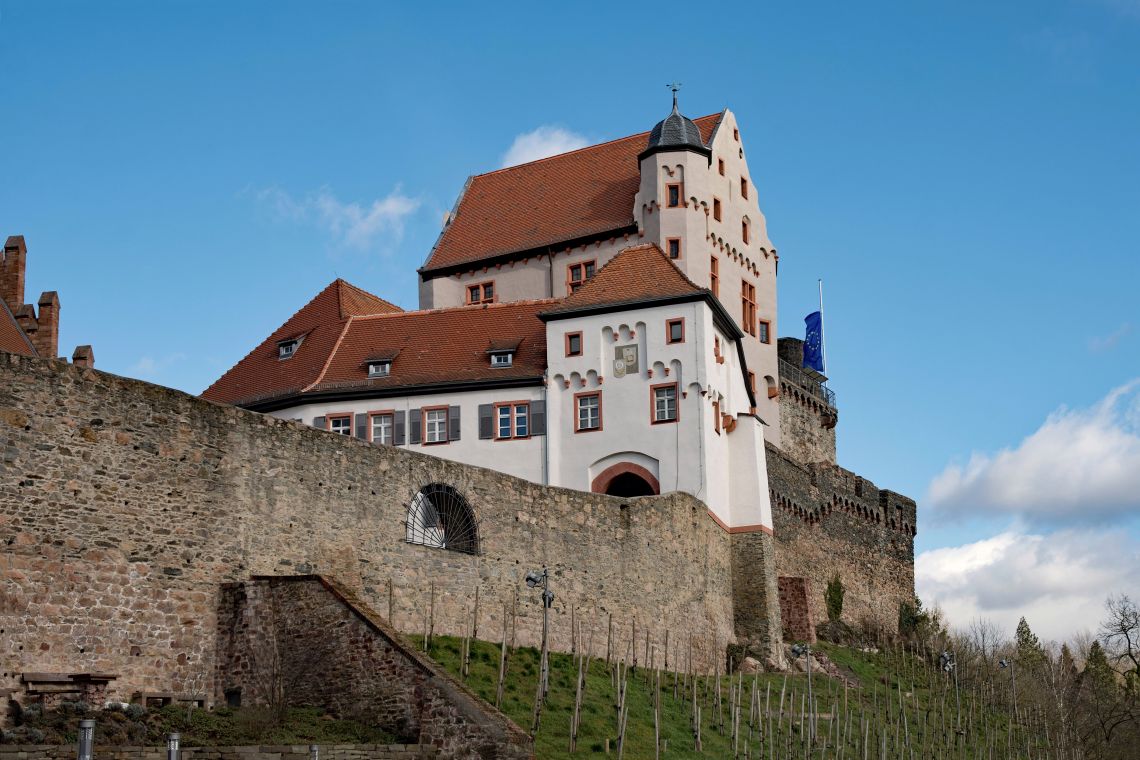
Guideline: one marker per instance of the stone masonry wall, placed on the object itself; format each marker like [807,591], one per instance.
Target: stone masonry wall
[124,506]
[805,434]
[796,610]
[305,641]
[829,520]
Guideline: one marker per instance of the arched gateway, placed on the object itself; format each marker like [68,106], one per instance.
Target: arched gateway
[626,479]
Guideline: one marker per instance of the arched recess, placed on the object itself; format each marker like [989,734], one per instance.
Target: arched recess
[773,387]
[441,518]
[626,479]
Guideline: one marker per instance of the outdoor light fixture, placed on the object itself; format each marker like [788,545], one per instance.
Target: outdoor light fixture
[86,738]
[172,741]
[800,650]
[534,579]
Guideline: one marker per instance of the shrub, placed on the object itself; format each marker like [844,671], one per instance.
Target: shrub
[834,598]
[136,711]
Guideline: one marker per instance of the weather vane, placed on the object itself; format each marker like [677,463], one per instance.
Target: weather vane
[674,86]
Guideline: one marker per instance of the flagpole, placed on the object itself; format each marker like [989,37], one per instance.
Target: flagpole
[822,330]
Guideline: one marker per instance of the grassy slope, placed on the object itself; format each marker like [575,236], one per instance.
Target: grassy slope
[929,708]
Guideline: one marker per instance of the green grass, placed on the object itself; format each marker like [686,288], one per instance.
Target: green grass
[877,709]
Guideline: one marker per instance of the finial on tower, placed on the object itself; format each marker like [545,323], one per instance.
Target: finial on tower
[674,86]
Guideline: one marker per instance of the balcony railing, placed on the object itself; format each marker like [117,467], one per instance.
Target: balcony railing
[797,376]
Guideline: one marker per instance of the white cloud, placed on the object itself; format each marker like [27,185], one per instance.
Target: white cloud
[1058,582]
[353,224]
[545,141]
[150,367]
[1081,465]
[1108,342]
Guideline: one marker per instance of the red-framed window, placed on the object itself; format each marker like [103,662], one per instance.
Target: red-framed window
[748,306]
[512,420]
[673,247]
[340,424]
[587,411]
[720,166]
[714,276]
[765,331]
[382,427]
[675,330]
[716,417]
[663,406]
[481,292]
[574,344]
[674,195]
[434,425]
[744,188]
[745,231]
[577,274]
[716,209]
[752,382]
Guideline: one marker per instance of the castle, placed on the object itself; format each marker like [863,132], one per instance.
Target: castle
[595,326]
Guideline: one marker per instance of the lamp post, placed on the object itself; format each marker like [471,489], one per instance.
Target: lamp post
[949,666]
[534,579]
[1003,664]
[172,742]
[86,739]
[798,650]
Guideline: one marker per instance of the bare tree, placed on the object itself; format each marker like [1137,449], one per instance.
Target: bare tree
[1120,633]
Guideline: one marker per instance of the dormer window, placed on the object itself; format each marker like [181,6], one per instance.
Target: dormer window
[380,368]
[502,358]
[286,348]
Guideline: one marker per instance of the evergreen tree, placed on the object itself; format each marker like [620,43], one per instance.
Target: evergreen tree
[1029,650]
[834,598]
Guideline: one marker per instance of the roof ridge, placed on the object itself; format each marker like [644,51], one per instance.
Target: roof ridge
[471,307]
[332,353]
[583,148]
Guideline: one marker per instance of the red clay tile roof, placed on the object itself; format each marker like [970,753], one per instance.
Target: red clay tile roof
[573,195]
[426,347]
[13,339]
[439,346]
[636,274]
[318,325]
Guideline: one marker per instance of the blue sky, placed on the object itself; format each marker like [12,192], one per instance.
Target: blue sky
[964,176]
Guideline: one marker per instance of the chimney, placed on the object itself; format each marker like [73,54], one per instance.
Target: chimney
[12,267]
[46,339]
[26,319]
[84,356]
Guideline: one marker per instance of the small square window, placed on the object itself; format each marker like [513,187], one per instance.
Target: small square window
[675,331]
[673,247]
[578,274]
[502,359]
[716,209]
[286,349]
[765,332]
[720,166]
[379,369]
[672,196]
[483,292]
[574,344]
[341,425]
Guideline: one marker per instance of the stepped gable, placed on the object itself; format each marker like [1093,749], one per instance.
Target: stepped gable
[12,338]
[439,346]
[318,325]
[546,202]
[637,274]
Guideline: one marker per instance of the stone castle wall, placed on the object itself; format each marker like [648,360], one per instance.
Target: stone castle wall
[805,434]
[829,521]
[124,506]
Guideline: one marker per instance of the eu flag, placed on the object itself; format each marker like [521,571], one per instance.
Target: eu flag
[813,341]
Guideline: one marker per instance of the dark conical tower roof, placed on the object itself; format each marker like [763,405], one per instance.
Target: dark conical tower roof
[675,132]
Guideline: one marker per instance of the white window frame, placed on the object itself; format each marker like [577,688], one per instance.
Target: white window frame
[341,424]
[593,411]
[379,369]
[665,400]
[435,425]
[376,423]
[502,358]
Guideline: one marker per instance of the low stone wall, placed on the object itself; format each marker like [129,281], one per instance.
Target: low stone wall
[309,642]
[125,506]
[829,521]
[264,752]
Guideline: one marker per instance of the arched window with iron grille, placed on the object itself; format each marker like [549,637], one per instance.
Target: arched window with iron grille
[441,518]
